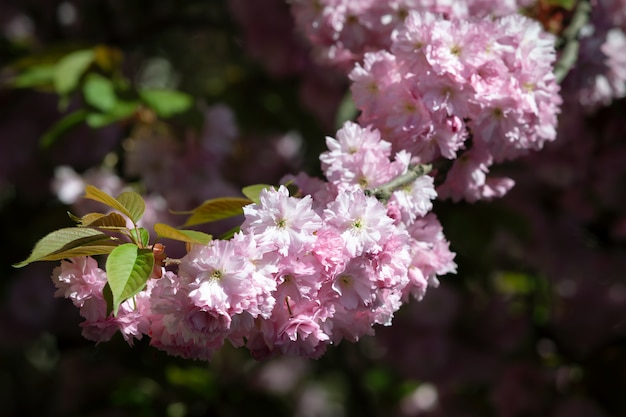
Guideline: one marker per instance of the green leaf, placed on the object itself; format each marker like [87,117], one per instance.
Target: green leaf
[62,126]
[99,92]
[192,379]
[254,191]
[566,4]
[102,247]
[68,242]
[511,283]
[134,203]
[108,58]
[128,203]
[189,236]
[144,236]
[70,68]
[106,221]
[293,189]
[36,76]
[166,103]
[216,209]
[120,111]
[128,269]
[347,111]
[230,233]
[108,298]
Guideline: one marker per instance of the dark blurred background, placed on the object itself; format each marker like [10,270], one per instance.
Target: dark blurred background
[533,324]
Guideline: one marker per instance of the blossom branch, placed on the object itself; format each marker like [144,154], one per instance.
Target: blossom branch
[383,192]
[569,53]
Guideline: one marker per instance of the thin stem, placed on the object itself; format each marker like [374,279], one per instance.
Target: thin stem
[171,261]
[383,192]
[569,53]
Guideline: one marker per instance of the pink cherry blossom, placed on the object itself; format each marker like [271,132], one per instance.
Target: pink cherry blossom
[282,222]
[361,220]
[79,279]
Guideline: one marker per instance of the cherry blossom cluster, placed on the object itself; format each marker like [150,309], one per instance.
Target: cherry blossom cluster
[337,258]
[342,31]
[475,91]
[440,78]
[305,271]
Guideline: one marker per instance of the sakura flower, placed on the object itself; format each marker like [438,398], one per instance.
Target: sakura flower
[467,179]
[219,278]
[352,141]
[415,200]
[330,251]
[355,284]
[131,321]
[301,336]
[377,73]
[430,251]
[299,278]
[172,328]
[361,220]
[79,279]
[281,222]
[391,264]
